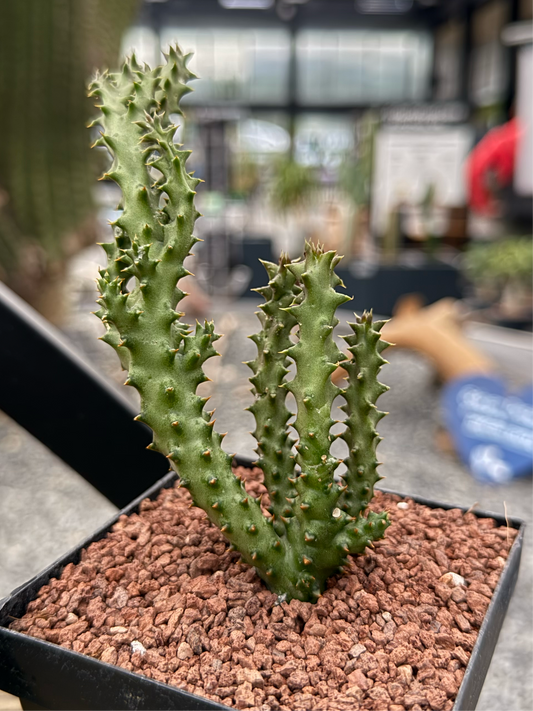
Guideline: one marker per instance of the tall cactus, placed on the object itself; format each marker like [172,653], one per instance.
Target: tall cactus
[312,527]
[48,48]
[366,347]
[274,445]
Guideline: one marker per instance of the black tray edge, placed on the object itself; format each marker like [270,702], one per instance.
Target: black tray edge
[489,631]
[73,555]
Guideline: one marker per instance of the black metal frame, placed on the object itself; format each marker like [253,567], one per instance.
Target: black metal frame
[320,14]
[313,13]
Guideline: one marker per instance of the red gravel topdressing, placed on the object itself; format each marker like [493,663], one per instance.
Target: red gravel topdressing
[164,596]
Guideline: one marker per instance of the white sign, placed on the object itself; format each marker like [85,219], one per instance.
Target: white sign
[408,160]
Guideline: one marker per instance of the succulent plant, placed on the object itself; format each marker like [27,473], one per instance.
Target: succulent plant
[499,263]
[316,519]
[47,49]
[292,185]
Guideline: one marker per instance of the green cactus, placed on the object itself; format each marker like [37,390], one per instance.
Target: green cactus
[274,445]
[47,50]
[315,520]
[361,395]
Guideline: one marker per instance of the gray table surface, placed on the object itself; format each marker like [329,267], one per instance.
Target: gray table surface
[46,508]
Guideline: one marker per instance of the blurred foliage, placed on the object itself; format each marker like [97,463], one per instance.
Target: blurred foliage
[499,263]
[431,241]
[48,50]
[355,172]
[428,200]
[486,117]
[292,185]
[244,175]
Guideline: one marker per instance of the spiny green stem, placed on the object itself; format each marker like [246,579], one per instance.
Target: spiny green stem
[315,524]
[316,519]
[164,359]
[274,445]
[364,388]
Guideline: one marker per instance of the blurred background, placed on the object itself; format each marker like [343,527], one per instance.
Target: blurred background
[395,131]
[398,132]
[366,125]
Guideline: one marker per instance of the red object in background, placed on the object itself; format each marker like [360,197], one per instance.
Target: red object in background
[494,155]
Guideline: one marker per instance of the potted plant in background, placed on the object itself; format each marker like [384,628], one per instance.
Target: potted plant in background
[501,273]
[40,230]
[355,178]
[293,185]
[162,593]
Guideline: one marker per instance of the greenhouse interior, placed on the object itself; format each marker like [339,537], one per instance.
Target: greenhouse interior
[251,201]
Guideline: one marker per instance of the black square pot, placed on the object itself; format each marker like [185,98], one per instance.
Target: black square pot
[46,676]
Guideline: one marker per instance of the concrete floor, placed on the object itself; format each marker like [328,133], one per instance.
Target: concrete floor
[46,508]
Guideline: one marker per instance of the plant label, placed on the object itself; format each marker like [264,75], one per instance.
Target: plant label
[492,429]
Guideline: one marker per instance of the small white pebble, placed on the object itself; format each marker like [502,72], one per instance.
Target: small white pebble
[71,618]
[387,616]
[117,629]
[356,651]
[137,646]
[402,505]
[336,513]
[452,580]
[184,651]
[405,674]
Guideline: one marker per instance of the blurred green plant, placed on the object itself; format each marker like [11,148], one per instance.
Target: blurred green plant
[48,48]
[355,181]
[427,205]
[245,176]
[355,172]
[498,264]
[293,184]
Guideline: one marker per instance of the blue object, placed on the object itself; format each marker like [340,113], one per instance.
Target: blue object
[492,429]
